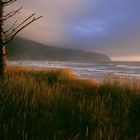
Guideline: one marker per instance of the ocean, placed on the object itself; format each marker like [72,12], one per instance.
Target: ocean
[95,70]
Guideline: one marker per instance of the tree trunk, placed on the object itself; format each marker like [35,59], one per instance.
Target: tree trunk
[2,60]
[2,46]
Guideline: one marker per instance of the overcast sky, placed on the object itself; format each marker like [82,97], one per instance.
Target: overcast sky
[111,27]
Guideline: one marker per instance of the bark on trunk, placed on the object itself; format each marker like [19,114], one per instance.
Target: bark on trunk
[2,46]
[2,60]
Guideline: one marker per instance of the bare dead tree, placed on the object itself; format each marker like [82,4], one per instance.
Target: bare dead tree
[6,36]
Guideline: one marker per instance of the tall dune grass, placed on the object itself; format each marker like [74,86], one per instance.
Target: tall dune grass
[55,105]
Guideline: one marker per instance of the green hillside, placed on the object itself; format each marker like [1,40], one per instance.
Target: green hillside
[23,49]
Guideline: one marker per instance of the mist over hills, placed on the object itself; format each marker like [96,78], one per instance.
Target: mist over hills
[23,49]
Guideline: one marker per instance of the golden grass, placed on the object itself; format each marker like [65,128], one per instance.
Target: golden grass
[53,104]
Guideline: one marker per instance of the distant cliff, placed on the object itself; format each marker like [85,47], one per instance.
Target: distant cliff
[23,49]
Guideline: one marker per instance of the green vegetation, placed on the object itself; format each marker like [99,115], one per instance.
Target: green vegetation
[55,105]
[23,49]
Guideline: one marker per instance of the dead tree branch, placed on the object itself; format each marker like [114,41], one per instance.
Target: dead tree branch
[8,2]
[11,14]
[10,29]
[28,18]
[15,32]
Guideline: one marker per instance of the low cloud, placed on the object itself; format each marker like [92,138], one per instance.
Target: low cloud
[106,26]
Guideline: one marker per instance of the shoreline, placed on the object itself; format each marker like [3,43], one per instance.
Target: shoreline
[97,79]
[45,69]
